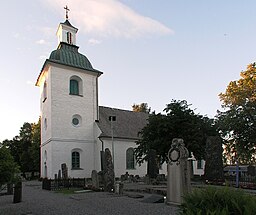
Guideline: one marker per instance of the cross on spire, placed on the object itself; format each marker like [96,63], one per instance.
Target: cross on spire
[67,9]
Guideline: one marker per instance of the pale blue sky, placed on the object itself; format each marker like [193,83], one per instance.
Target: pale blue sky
[149,50]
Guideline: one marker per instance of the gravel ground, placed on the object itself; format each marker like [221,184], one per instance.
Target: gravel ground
[36,201]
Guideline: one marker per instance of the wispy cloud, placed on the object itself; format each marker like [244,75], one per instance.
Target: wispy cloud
[30,83]
[47,31]
[93,41]
[41,42]
[110,18]
[16,35]
[42,57]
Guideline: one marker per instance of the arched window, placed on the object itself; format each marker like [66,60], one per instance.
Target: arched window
[74,89]
[75,160]
[130,161]
[75,86]
[45,91]
[69,37]
[45,123]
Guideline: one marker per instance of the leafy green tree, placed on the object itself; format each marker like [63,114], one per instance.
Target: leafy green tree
[8,167]
[26,143]
[178,122]
[237,123]
[25,148]
[34,150]
[15,148]
[143,107]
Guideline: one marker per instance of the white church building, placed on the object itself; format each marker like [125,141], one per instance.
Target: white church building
[74,128]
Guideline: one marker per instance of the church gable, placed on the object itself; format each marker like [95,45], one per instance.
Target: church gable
[127,125]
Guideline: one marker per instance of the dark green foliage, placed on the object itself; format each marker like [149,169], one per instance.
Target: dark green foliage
[218,201]
[8,167]
[178,122]
[25,148]
[238,129]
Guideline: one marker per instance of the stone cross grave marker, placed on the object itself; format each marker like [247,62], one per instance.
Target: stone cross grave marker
[178,170]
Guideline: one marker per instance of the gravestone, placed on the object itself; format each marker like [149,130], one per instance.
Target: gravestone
[213,160]
[64,170]
[119,187]
[59,174]
[178,170]
[101,179]
[17,197]
[109,175]
[152,168]
[95,180]
[9,189]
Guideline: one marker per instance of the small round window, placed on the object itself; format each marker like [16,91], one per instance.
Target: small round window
[76,120]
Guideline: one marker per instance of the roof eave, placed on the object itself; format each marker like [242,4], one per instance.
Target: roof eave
[90,70]
[43,67]
[115,137]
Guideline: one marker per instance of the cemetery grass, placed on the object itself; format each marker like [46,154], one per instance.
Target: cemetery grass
[67,191]
[216,200]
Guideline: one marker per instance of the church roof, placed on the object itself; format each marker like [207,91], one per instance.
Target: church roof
[68,24]
[127,125]
[67,54]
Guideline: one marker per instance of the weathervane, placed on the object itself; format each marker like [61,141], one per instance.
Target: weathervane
[66,8]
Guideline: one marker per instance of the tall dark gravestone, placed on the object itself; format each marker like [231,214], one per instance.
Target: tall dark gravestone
[152,168]
[109,174]
[17,197]
[64,170]
[213,159]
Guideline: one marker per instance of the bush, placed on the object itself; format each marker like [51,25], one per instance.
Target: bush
[218,201]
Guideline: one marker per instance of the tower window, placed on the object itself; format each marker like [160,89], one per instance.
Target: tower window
[75,86]
[45,123]
[76,120]
[69,37]
[75,160]
[45,91]
[130,161]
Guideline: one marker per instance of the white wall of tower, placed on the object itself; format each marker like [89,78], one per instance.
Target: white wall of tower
[64,105]
[60,136]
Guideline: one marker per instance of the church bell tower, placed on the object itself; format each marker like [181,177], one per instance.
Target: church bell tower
[69,107]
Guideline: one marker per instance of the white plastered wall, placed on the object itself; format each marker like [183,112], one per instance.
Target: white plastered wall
[60,136]
[120,147]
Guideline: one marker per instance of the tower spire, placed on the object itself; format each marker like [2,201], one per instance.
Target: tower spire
[67,9]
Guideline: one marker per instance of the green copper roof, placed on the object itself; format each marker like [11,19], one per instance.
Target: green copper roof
[67,54]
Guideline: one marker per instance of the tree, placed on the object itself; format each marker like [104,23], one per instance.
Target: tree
[25,148]
[34,150]
[8,168]
[26,143]
[143,107]
[178,122]
[237,124]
